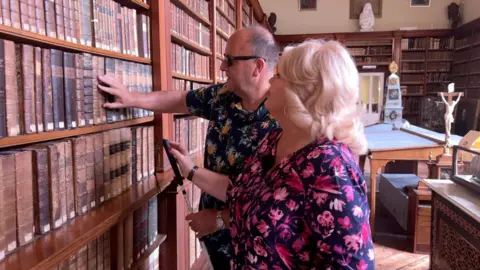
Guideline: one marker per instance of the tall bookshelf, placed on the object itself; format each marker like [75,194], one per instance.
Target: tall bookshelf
[426,60]
[87,38]
[193,56]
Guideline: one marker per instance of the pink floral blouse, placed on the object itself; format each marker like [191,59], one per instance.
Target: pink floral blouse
[310,212]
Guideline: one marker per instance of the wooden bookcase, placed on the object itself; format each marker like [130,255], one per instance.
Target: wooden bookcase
[181,250]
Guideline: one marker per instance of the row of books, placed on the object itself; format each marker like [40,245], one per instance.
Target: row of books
[199,6]
[221,44]
[471,81]
[185,85]
[224,24]
[95,255]
[103,24]
[47,184]
[466,55]
[190,63]
[228,10]
[47,89]
[136,234]
[420,43]
[221,75]
[189,28]
[190,132]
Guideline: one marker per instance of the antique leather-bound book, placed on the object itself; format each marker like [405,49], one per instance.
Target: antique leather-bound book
[6,12]
[123,159]
[133,154]
[152,220]
[151,152]
[56,60]
[25,84]
[95,93]
[90,171]
[24,196]
[99,182]
[69,180]
[107,180]
[15,13]
[59,19]
[80,106]
[11,93]
[115,162]
[92,255]
[40,17]
[120,113]
[101,99]
[82,258]
[120,247]
[47,91]
[88,88]
[100,253]
[3,113]
[54,177]
[128,155]
[140,161]
[41,189]
[31,16]
[62,180]
[80,174]
[9,201]
[50,25]
[145,152]
[24,20]
[3,245]
[38,89]
[106,248]
[128,240]
[110,69]
[70,90]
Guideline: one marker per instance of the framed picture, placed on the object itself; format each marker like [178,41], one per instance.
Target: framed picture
[307,4]
[356,7]
[419,3]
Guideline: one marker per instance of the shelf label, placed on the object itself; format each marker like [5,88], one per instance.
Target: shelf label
[46,228]
[61,124]
[27,237]
[74,124]
[49,126]
[82,122]
[72,214]
[12,246]
[40,127]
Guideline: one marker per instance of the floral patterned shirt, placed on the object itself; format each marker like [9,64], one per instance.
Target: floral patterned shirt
[232,136]
[311,211]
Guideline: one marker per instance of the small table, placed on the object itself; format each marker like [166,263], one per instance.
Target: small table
[386,144]
[455,231]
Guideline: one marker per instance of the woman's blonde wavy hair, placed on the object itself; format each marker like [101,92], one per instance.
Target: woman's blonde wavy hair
[322,92]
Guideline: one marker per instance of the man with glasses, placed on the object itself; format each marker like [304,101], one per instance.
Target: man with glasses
[238,122]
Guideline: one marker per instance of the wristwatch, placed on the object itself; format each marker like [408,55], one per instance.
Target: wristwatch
[220,223]
[192,172]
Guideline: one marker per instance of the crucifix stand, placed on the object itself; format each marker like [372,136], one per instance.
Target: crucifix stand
[441,167]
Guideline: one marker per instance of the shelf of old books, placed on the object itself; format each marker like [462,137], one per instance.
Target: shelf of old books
[58,244]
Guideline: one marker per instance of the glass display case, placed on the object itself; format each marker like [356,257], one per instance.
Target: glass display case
[466,167]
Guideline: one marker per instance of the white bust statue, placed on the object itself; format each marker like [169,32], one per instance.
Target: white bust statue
[367,19]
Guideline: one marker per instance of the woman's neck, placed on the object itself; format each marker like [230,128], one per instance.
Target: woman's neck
[292,139]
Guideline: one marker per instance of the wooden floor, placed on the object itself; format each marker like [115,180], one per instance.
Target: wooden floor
[391,253]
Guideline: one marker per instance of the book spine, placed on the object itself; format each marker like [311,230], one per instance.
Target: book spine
[70,90]
[31,16]
[41,190]
[38,89]
[96,94]
[6,12]
[3,105]
[62,183]
[40,17]
[98,156]
[69,179]
[24,194]
[11,94]
[88,88]
[90,171]
[9,202]
[56,58]
[139,164]
[60,24]
[15,13]
[50,16]
[48,122]
[80,94]
[55,207]
[101,99]
[133,154]
[80,174]
[3,244]
[106,165]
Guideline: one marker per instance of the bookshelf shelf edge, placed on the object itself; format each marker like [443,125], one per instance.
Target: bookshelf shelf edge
[189,78]
[194,14]
[61,134]
[190,45]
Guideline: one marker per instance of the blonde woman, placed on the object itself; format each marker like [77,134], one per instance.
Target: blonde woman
[301,201]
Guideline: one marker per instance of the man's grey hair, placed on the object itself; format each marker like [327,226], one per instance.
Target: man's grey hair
[264,45]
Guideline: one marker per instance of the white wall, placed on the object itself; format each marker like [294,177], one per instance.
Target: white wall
[470,10]
[333,16]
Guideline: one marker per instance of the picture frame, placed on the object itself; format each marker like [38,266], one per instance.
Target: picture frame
[307,5]
[356,7]
[420,3]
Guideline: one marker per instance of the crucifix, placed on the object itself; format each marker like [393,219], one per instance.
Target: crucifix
[449,107]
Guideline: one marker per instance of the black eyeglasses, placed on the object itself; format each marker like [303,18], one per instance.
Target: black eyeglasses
[230,60]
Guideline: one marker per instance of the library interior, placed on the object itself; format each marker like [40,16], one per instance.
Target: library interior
[88,186]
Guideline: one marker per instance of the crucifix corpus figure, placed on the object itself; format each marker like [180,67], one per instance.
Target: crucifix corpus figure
[449,107]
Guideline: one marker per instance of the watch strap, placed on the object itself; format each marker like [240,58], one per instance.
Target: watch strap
[192,172]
